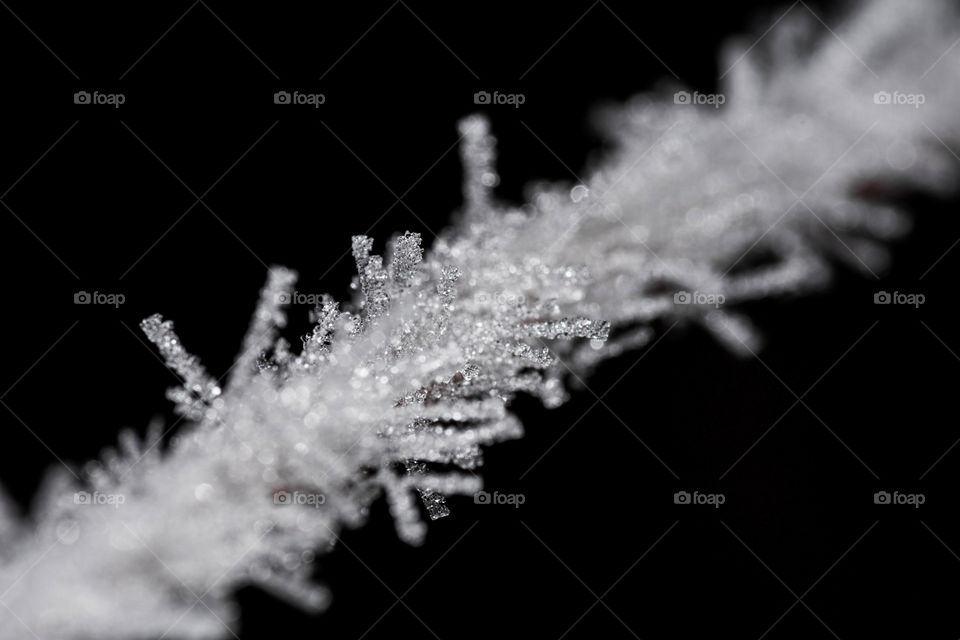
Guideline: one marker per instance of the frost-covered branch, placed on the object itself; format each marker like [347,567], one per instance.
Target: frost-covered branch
[395,393]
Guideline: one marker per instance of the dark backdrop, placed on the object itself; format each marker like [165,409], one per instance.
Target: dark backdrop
[179,198]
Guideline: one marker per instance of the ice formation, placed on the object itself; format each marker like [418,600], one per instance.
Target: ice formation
[396,393]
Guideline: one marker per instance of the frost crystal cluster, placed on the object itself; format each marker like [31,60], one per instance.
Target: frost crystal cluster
[396,393]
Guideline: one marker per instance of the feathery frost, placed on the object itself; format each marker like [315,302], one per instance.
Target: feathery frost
[396,393]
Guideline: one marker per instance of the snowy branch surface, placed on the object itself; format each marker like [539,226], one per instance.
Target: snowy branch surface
[396,393]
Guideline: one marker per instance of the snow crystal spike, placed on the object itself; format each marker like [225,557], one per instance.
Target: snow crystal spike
[407,256]
[478,155]
[267,317]
[372,276]
[199,388]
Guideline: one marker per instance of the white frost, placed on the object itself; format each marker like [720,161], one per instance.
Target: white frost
[396,393]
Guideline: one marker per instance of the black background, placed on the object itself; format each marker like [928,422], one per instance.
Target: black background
[103,199]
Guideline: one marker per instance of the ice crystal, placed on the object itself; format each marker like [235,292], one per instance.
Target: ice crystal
[396,393]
